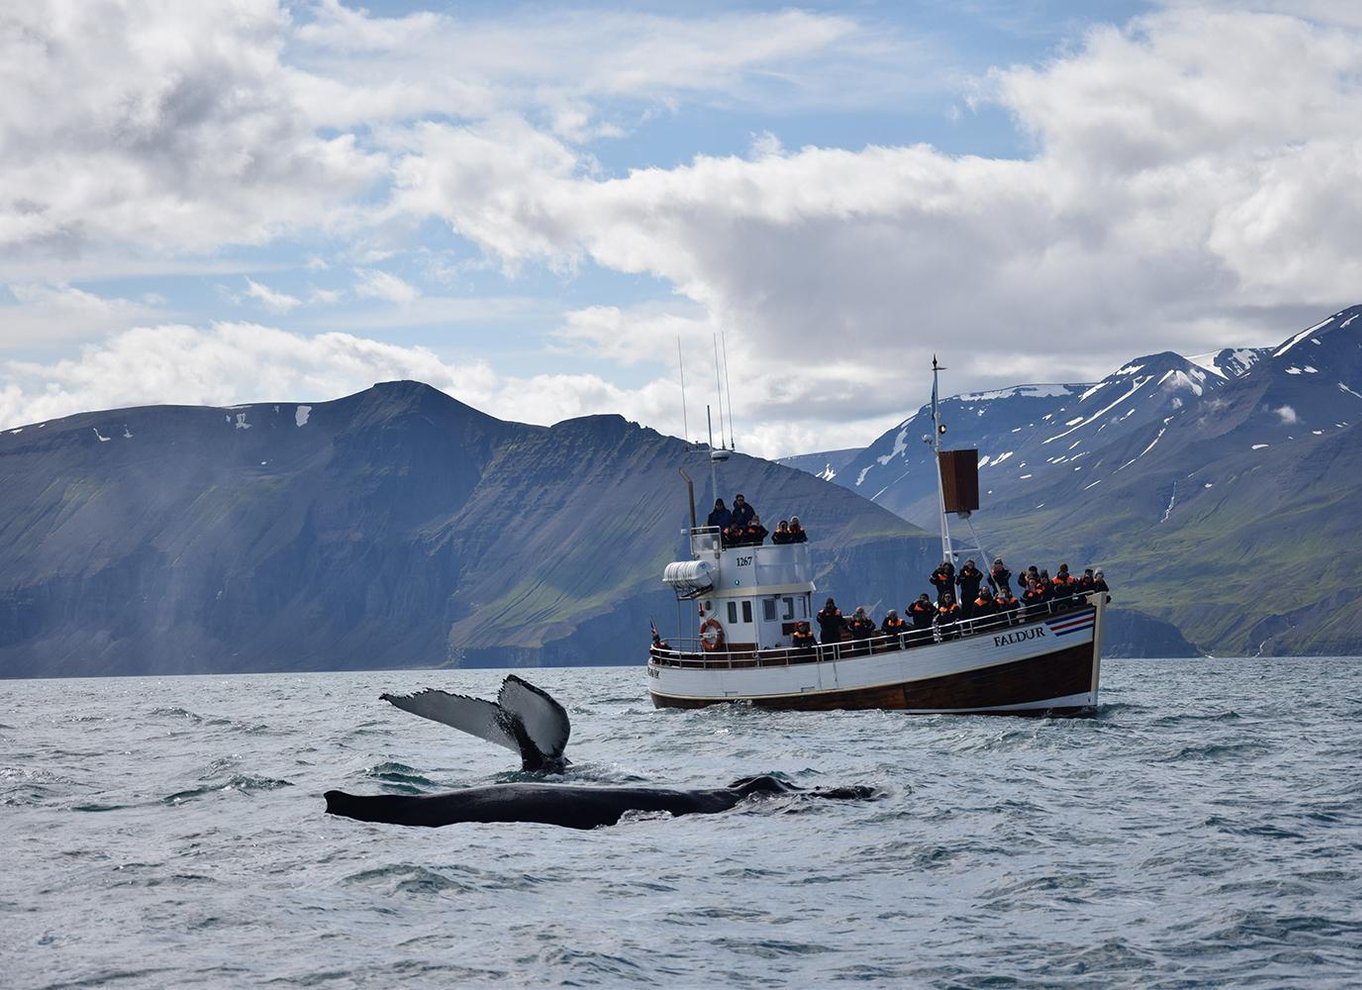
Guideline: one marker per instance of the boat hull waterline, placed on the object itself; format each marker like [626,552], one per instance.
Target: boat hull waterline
[1046,667]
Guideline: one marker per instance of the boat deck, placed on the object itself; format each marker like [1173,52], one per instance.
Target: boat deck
[691,654]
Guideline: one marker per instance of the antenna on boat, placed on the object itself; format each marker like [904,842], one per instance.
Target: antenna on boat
[681,364]
[719,395]
[728,387]
[716,454]
[938,431]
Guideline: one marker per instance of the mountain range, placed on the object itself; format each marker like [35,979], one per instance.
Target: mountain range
[1218,492]
[396,527]
[399,527]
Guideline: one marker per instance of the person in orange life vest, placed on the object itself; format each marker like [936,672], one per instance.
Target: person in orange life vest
[782,533]
[755,533]
[1000,577]
[1063,582]
[797,534]
[831,625]
[803,636]
[892,624]
[861,625]
[922,612]
[735,535]
[943,580]
[982,606]
[1007,605]
[742,512]
[1034,599]
[969,579]
[1083,584]
[947,615]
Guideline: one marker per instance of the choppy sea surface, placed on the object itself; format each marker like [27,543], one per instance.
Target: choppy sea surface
[1205,830]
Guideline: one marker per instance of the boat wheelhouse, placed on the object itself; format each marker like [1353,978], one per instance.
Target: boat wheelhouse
[1037,659]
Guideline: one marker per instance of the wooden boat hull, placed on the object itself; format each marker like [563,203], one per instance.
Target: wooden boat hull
[1048,667]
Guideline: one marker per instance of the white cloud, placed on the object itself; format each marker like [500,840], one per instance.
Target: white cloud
[1191,164]
[373,283]
[161,125]
[275,302]
[44,313]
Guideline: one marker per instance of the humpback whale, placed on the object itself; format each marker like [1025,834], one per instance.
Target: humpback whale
[570,806]
[524,719]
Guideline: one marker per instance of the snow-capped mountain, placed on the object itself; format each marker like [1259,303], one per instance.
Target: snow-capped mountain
[1031,434]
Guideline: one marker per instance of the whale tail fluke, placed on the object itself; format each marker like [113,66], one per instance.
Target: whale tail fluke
[524,719]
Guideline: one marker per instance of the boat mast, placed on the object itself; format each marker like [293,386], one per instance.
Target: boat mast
[938,430]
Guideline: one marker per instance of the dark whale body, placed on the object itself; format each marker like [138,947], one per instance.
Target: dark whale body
[571,806]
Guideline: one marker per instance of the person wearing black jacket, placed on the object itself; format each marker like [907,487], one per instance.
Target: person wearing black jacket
[742,512]
[830,623]
[719,515]
[1000,577]
[969,579]
[943,580]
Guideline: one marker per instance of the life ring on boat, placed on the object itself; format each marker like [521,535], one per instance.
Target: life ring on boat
[711,635]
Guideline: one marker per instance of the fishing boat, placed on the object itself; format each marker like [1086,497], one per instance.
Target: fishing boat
[1041,659]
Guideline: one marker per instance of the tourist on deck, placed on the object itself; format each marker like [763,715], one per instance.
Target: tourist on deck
[797,534]
[921,612]
[742,512]
[755,533]
[948,616]
[782,533]
[831,625]
[982,607]
[1084,582]
[943,580]
[1000,577]
[802,639]
[1099,583]
[1063,584]
[719,516]
[1035,599]
[892,625]
[1007,605]
[862,627]
[969,579]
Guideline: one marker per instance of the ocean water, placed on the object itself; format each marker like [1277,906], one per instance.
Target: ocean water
[1205,830]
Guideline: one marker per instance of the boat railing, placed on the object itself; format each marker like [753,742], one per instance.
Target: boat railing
[691,652]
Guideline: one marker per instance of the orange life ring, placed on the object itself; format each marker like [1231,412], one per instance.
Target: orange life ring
[711,635]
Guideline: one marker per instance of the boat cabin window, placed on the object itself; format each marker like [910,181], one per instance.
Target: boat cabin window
[768,609]
[732,613]
[747,612]
[789,611]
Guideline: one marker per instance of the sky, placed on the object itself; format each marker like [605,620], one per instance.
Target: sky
[552,210]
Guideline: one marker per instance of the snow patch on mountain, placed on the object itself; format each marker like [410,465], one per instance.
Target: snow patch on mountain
[1298,338]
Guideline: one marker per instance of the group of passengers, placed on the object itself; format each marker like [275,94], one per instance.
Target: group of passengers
[741,526]
[980,598]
